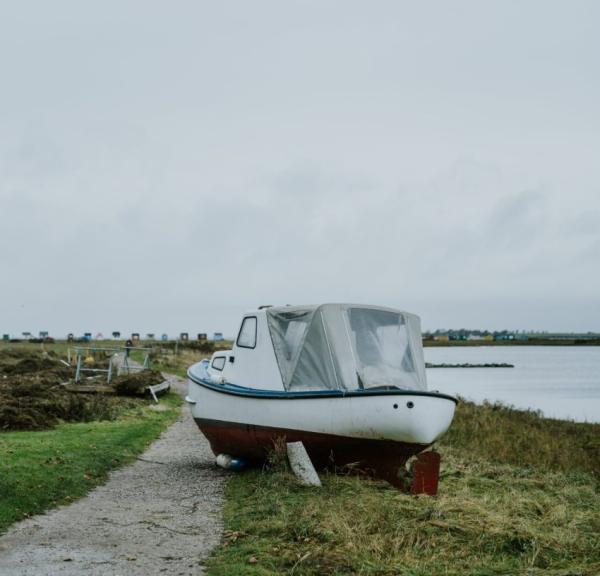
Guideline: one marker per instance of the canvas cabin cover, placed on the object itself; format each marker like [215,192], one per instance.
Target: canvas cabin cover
[347,347]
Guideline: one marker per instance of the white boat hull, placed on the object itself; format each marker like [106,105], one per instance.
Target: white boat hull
[378,429]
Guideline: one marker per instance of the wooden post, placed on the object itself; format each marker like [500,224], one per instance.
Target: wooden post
[426,472]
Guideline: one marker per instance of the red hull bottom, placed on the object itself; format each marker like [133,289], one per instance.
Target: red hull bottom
[385,458]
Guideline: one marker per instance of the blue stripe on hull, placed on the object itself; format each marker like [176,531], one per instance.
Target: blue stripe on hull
[236,390]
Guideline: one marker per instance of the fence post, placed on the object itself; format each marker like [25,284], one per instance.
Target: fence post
[78,371]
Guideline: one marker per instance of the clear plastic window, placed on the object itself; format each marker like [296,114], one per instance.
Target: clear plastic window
[218,363]
[338,346]
[381,344]
[247,336]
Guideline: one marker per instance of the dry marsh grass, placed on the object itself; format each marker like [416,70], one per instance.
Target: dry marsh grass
[499,433]
[178,363]
[518,495]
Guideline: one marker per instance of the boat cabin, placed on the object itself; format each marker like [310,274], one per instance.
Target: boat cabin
[324,347]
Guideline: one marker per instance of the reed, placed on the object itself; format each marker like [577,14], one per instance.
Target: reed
[502,434]
[519,494]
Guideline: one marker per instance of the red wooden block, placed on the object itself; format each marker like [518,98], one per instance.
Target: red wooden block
[426,472]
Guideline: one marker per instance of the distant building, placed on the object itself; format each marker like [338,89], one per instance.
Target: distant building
[164,337]
[87,336]
[504,335]
[457,334]
[135,336]
[6,337]
[202,336]
[184,336]
[441,338]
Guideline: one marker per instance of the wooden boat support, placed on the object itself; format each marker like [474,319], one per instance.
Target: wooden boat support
[426,473]
[158,389]
[301,464]
[421,478]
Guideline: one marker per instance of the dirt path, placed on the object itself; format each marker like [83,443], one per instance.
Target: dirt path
[160,515]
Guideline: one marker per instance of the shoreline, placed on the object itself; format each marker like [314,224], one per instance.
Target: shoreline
[530,342]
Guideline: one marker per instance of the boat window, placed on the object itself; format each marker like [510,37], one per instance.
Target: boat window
[288,329]
[247,336]
[315,368]
[381,345]
[218,363]
[302,350]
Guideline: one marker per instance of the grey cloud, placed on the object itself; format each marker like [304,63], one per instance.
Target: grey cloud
[165,167]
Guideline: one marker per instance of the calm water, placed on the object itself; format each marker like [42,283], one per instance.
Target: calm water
[562,382]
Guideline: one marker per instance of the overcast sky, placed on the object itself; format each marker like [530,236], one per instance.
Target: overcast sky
[166,165]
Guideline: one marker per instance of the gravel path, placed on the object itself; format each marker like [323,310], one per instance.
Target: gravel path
[160,515]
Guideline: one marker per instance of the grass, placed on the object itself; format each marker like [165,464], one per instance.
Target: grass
[179,363]
[501,434]
[163,358]
[40,470]
[518,495]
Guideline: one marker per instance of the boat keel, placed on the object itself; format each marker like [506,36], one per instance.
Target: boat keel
[384,459]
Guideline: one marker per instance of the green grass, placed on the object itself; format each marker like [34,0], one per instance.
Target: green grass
[40,470]
[518,495]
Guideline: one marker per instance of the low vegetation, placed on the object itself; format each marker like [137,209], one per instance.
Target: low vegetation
[501,434]
[56,442]
[178,363]
[519,494]
[178,360]
[40,470]
[36,391]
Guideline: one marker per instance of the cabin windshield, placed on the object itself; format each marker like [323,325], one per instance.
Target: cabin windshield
[347,347]
[382,350]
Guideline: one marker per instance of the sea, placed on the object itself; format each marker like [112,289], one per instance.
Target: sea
[559,381]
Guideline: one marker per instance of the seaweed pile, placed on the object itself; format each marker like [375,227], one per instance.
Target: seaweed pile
[25,363]
[33,397]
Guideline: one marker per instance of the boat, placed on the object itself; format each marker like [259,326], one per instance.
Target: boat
[347,380]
